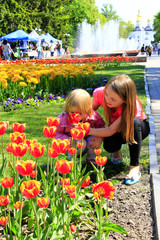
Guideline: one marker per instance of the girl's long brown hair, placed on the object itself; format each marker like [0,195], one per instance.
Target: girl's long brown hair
[124,86]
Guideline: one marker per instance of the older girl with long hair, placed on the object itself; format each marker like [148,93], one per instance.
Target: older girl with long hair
[126,122]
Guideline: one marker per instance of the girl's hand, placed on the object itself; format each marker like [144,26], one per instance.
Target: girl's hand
[95,142]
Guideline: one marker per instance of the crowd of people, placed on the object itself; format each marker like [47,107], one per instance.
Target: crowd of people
[148,49]
[20,48]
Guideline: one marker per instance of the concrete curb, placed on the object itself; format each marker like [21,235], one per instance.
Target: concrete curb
[154,168]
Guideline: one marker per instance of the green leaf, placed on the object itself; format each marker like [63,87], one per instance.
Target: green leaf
[45,233]
[113,227]
[30,223]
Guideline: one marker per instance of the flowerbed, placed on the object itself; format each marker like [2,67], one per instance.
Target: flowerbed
[57,201]
[97,60]
[23,79]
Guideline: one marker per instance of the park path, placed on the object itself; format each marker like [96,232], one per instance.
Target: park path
[153,99]
[153,79]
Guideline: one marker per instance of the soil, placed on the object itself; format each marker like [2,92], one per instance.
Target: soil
[132,208]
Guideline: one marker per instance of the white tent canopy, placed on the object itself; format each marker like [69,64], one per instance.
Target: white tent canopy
[34,34]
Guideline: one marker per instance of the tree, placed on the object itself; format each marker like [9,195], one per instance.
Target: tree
[156,24]
[125,29]
[109,13]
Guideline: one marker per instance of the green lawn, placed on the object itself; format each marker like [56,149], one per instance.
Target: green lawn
[35,118]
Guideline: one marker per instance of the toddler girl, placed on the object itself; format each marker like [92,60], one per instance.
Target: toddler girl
[79,101]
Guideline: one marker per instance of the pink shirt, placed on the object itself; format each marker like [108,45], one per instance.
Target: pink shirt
[98,95]
[63,129]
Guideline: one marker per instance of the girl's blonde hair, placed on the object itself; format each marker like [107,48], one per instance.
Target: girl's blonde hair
[80,99]
[124,86]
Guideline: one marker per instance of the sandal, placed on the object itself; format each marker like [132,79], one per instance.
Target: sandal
[133,179]
[117,160]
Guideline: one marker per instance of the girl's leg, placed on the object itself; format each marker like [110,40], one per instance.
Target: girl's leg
[113,143]
[141,131]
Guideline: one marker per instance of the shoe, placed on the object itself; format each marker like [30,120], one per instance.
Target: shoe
[116,160]
[134,179]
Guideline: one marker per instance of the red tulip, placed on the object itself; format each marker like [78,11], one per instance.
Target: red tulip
[84,126]
[64,166]
[17,137]
[43,202]
[70,188]
[19,150]
[25,167]
[17,127]
[4,200]
[3,127]
[34,174]
[86,182]
[9,147]
[64,144]
[77,134]
[72,195]
[32,141]
[97,151]
[101,161]
[17,205]
[66,181]
[74,117]
[4,220]
[73,228]
[30,189]
[103,189]
[7,182]
[36,149]
[49,132]
[52,153]
[61,146]
[71,150]
[51,121]
[79,144]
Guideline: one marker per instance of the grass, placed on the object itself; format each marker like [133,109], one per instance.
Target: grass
[35,118]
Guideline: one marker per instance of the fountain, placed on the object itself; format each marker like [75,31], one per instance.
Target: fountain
[97,39]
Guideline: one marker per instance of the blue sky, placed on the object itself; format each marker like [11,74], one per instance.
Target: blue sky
[128,9]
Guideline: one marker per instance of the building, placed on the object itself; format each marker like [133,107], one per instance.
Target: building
[142,35]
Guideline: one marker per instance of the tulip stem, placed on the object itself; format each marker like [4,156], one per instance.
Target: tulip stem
[36,219]
[2,152]
[44,217]
[63,204]
[80,158]
[100,173]
[20,218]
[100,221]
[47,159]
[36,169]
[16,181]
[6,223]
[75,170]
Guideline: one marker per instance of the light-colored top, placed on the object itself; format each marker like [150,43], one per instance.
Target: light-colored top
[64,127]
[98,96]
[6,48]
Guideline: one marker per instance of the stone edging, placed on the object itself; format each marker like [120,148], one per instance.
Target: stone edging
[154,168]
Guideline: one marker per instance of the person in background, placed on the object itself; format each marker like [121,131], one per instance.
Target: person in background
[79,101]
[58,47]
[142,49]
[126,122]
[6,49]
[66,50]
[158,47]
[52,47]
